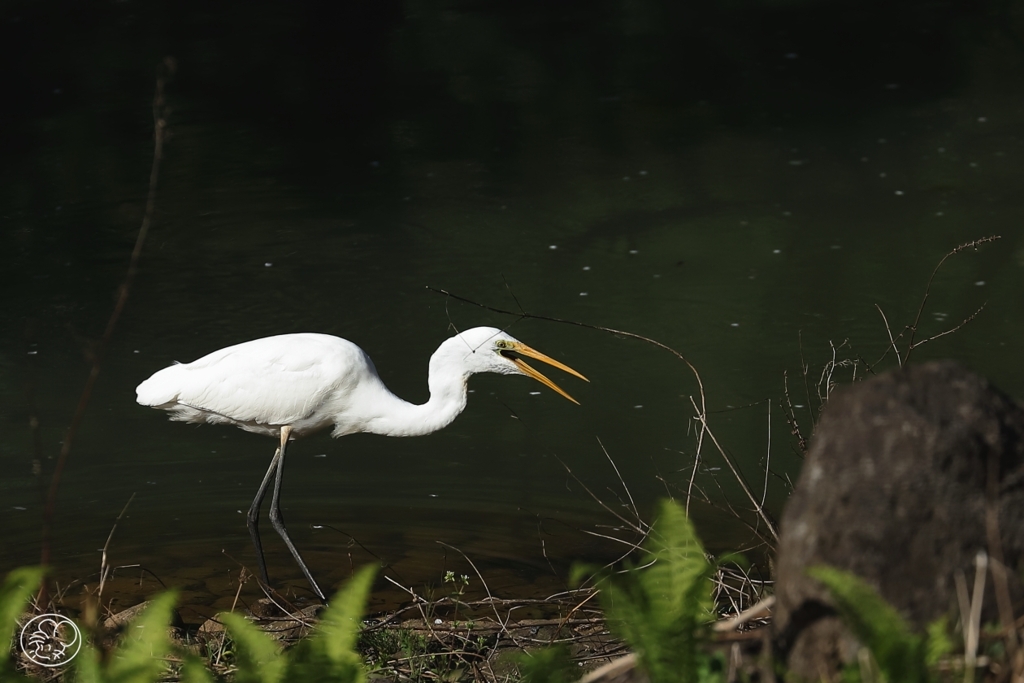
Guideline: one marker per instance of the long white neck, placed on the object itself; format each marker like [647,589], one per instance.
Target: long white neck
[389,415]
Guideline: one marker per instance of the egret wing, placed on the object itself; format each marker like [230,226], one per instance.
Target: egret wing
[274,381]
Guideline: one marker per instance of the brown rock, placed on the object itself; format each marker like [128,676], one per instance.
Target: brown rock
[895,490]
[272,620]
[117,622]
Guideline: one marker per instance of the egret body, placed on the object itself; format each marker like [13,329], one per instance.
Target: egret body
[295,384]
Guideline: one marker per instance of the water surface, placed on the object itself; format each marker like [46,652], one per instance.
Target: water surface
[747,219]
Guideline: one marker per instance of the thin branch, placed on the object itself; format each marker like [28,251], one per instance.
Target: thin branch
[701,409]
[531,316]
[104,568]
[508,287]
[804,367]
[997,564]
[696,464]
[794,425]
[928,286]
[892,342]
[768,455]
[598,500]
[968,319]
[164,71]
[632,505]
[504,623]
[759,509]
[974,623]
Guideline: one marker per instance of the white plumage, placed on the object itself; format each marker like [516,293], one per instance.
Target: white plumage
[293,384]
[261,385]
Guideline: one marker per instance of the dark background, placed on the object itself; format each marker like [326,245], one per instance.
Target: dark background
[743,181]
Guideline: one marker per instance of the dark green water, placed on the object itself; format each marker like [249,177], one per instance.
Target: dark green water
[743,186]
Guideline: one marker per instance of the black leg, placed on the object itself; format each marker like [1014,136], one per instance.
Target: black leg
[252,520]
[277,519]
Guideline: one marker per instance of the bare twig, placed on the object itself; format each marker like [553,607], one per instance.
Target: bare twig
[700,409]
[696,464]
[794,426]
[243,576]
[531,316]
[768,455]
[596,498]
[928,287]
[951,330]
[997,563]
[892,342]
[164,71]
[759,509]
[104,568]
[411,592]
[964,603]
[972,629]
[615,670]
[826,383]
[762,609]
[487,589]
[909,332]
[804,368]
[632,505]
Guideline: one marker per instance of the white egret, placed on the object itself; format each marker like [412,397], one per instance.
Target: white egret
[295,384]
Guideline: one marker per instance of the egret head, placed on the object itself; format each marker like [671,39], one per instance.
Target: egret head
[488,349]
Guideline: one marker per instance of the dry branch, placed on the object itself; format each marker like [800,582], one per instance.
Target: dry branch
[160,133]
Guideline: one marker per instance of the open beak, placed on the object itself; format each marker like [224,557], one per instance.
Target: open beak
[524,350]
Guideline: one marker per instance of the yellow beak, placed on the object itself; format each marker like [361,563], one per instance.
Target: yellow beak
[524,350]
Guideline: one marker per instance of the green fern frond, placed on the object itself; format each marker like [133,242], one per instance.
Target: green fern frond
[257,655]
[18,588]
[141,655]
[901,655]
[329,654]
[663,608]
[549,665]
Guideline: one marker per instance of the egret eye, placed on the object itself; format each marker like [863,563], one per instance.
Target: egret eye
[504,348]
